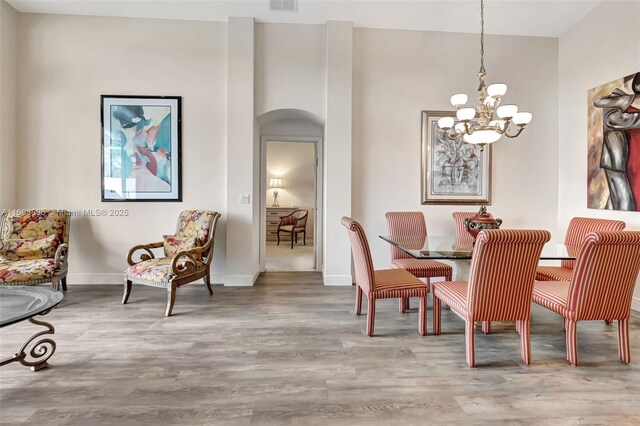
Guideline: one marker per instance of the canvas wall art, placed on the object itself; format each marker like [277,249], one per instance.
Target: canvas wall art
[614,145]
[141,158]
[453,171]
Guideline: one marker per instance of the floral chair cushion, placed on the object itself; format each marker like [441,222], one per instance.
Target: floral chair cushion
[38,223]
[26,270]
[177,243]
[29,248]
[195,223]
[152,271]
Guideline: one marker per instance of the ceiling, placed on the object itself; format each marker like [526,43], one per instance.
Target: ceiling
[547,18]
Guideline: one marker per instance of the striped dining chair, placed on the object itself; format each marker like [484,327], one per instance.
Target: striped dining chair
[381,284]
[578,229]
[403,224]
[503,268]
[601,288]
[463,237]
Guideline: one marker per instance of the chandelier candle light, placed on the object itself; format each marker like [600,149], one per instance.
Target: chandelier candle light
[477,125]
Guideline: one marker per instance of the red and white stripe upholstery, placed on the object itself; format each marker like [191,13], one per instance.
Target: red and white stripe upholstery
[463,237]
[503,268]
[413,224]
[578,229]
[601,287]
[381,284]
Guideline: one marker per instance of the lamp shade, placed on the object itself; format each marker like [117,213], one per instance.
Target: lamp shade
[497,89]
[275,183]
[482,137]
[507,111]
[459,99]
[522,118]
[445,122]
[466,114]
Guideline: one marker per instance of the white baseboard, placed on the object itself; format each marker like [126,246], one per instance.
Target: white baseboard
[241,280]
[635,304]
[337,280]
[118,279]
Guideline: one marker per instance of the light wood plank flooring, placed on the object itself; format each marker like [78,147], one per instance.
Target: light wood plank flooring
[290,351]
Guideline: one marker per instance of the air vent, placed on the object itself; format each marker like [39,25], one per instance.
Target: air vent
[284,5]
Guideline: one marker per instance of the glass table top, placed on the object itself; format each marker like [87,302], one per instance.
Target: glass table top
[20,303]
[448,247]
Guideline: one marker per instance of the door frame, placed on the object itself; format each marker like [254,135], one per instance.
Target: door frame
[319,210]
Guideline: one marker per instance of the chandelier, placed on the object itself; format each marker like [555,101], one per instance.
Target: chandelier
[477,124]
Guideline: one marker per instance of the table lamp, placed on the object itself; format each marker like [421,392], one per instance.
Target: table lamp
[275,184]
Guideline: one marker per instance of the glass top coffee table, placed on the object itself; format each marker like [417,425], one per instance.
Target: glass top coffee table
[24,303]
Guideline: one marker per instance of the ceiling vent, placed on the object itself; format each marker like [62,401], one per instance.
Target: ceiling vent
[284,5]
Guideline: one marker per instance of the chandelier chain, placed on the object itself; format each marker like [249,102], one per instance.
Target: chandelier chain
[482,36]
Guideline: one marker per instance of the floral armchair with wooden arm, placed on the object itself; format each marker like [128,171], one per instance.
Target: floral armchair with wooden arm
[187,257]
[34,246]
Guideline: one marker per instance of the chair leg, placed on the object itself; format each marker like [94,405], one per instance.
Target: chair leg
[171,299]
[55,285]
[207,281]
[63,281]
[469,336]
[525,340]
[278,233]
[127,292]
[518,327]
[371,316]
[608,322]
[422,316]
[624,351]
[292,237]
[572,342]
[403,304]
[358,309]
[304,237]
[486,327]
[436,315]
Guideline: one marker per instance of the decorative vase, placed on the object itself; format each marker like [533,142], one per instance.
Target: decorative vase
[482,220]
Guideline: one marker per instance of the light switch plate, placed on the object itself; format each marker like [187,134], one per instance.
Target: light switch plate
[245,198]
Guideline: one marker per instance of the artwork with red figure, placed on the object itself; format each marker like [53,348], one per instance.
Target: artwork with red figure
[140,141]
[614,145]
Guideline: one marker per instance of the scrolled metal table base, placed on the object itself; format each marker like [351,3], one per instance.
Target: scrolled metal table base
[35,352]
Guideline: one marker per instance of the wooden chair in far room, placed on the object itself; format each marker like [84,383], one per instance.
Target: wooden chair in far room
[412,224]
[294,224]
[503,269]
[381,284]
[600,288]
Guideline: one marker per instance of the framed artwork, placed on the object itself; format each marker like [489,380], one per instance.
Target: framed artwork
[453,171]
[141,148]
[613,140]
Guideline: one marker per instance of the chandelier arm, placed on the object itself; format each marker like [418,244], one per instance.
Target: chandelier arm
[516,134]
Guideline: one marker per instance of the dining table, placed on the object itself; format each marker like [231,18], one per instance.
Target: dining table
[459,251]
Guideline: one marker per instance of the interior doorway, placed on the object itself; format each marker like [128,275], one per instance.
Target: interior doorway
[291,206]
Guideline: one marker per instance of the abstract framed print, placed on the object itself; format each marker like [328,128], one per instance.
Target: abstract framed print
[613,144]
[453,171]
[141,148]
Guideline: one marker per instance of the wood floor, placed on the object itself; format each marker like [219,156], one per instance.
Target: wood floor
[290,351]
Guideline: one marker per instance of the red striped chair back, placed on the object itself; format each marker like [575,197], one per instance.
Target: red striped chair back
[604,276]
[503,269]
[578,229]
[405,224]
[361,254]
[463,237]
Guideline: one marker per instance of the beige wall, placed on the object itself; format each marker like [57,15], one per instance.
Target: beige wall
[399,73]
[294,162]
[604,46]
[65,64]
[8,103]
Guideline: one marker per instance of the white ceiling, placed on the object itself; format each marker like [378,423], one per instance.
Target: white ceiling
[514,17]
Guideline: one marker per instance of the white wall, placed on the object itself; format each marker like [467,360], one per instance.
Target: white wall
[65,64]
[290,67]
[399,73]
[8,103]
[294,162]
[604,46]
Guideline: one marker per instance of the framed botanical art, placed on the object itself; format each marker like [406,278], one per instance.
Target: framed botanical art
[613,140]
[141,148]
[453,171]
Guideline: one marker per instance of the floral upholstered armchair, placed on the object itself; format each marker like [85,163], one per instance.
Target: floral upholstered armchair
[187,257]
[34,247]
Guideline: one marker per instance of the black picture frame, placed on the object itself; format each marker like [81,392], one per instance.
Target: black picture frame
[137,103]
